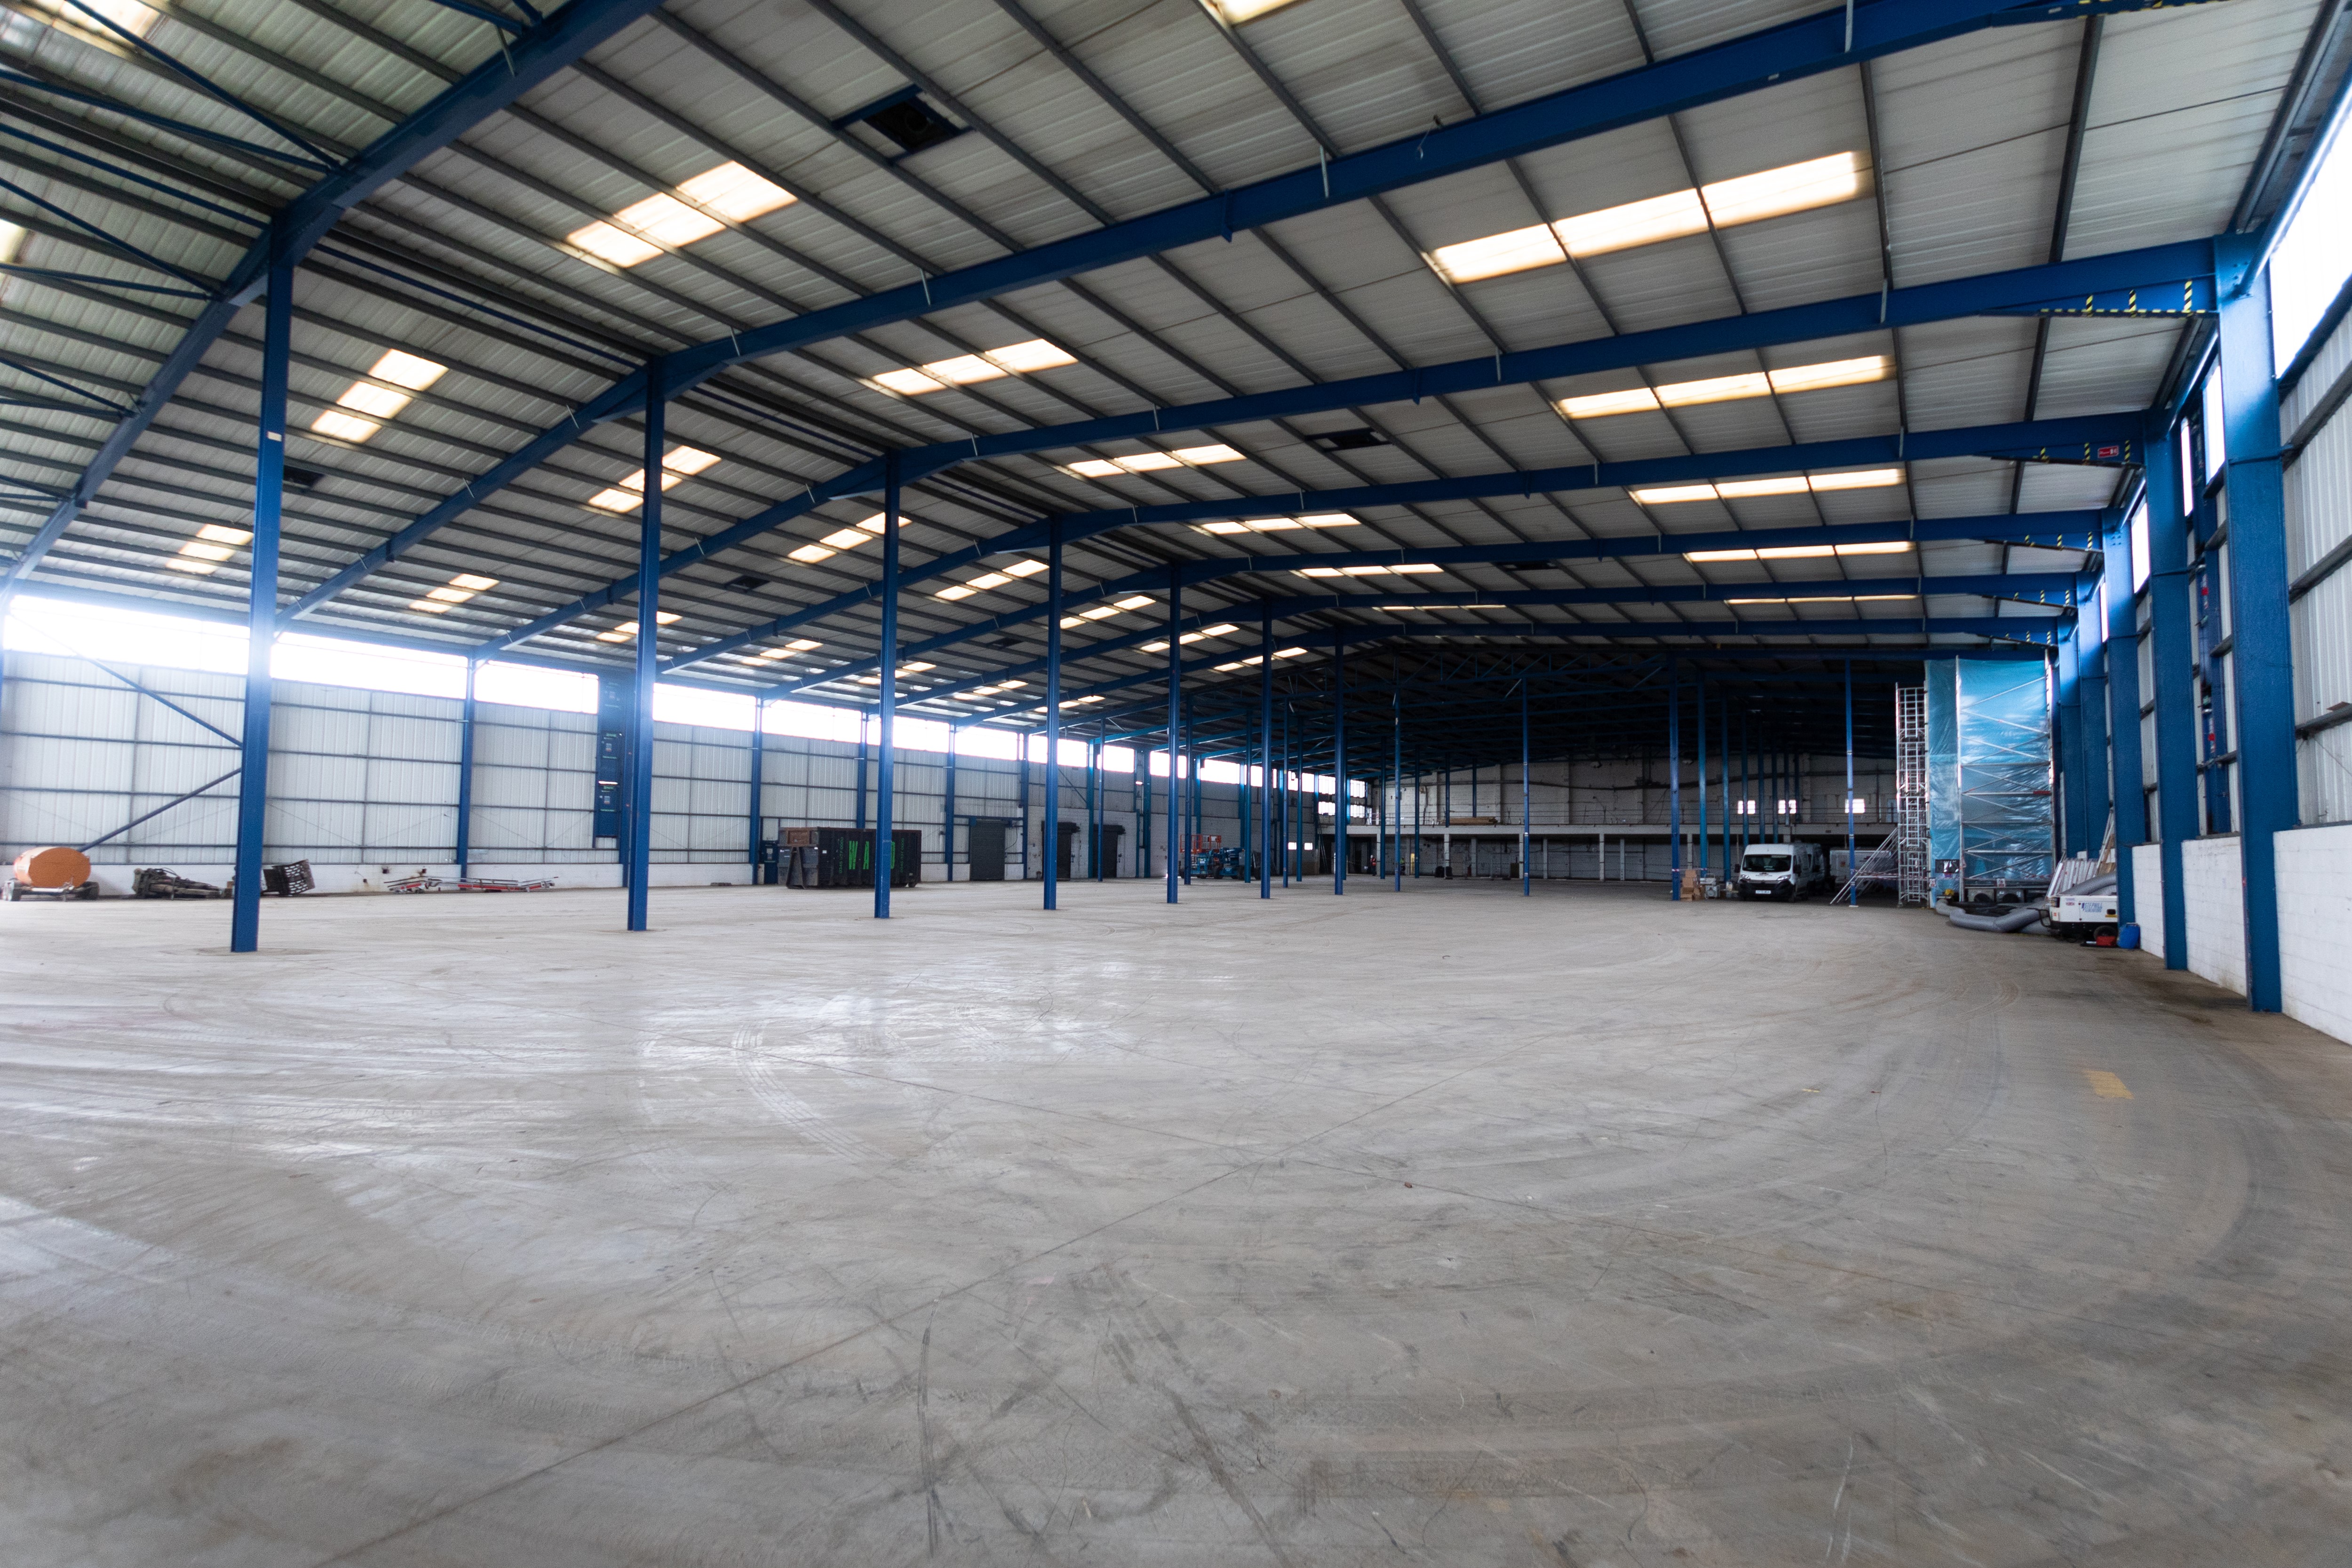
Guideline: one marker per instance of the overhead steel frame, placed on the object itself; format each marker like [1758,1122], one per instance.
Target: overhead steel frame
[2262,650]
[2159,281]
[522,63]
[266,271]
[1828,41]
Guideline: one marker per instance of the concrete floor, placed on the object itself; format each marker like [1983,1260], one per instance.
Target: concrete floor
[1449,1228]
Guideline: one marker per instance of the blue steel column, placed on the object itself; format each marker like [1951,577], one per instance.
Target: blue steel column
[649,555]
[1526,871]
[1175,721]
[1396,783]
[2262,652]
[1289,800]
[1339,764]
[947,814]
[1674,779]
[2066,750]
[261,613]
[1700,727]
[466,773]
[1053,713]
[2129,795]
[1853,884]
[2176,707]
[1416,826]
[1723,720]
[886,743]
[1266,785]
[758,763]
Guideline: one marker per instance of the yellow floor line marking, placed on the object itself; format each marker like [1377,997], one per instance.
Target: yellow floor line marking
[2105,1085]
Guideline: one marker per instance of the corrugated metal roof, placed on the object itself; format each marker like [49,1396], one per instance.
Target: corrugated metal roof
[464,261]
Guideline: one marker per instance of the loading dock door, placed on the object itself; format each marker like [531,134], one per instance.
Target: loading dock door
[986,850]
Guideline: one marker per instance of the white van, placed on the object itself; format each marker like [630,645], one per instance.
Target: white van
[1791,871]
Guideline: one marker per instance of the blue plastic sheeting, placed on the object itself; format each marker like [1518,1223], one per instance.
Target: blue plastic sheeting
[1943,768]
[2007,806]
[1990,812]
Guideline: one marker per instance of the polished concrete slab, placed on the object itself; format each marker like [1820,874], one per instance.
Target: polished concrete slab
[1444,1227]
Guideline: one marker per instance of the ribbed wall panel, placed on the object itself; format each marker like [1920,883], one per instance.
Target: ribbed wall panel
[359,775]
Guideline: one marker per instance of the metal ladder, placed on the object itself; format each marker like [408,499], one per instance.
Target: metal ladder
[1879,866]
[1910,836]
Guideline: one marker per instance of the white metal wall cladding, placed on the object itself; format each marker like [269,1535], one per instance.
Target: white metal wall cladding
[2318,520]
[360,775]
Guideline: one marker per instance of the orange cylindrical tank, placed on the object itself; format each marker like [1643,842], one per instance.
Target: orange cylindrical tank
[55,866]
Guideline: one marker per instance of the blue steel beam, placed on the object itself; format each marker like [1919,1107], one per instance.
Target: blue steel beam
[2079,439]
[2048,588]
[1836,318]
[521,65]
[2053,530]
[2040,632]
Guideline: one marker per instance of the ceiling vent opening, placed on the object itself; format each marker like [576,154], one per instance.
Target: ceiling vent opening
[1354,440]
[903,120]
[745,583]
[303,478]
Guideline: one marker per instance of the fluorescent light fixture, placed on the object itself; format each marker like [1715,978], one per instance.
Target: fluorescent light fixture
[678,463]
[1368,570]
[1277,524]
[1251,661]
[1796,187]
[641,231]
[1152,462]
[1863,480]
[1728,388]
[1423,609]
[1014,358]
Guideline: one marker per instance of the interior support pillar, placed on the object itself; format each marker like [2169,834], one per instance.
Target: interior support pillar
[261,614]
[886,747]
[2171,658]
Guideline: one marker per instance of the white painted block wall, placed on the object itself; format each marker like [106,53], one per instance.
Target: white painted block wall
[2147,896]
[2212,889]
[2315,876]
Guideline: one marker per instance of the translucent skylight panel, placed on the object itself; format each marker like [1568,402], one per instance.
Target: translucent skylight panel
[1152,462]
[1730,388]
[457,591]
[989,364]
[628,629]
[641,230]
[1773,192]
[678,463]
[213,544]
[1368,570]
[1859,480]
[360,412]
[1279,524]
